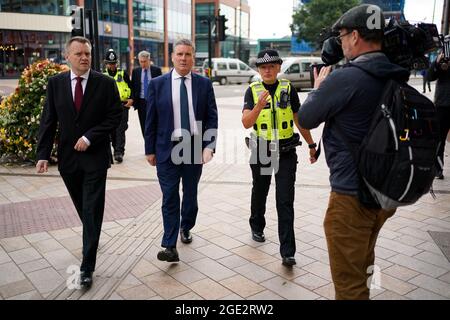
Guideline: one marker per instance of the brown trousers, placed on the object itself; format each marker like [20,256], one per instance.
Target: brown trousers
[351,231]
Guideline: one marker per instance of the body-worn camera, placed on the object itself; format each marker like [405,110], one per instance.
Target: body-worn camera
[404,44]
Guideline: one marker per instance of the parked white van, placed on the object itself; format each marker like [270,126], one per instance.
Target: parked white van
[296,70]
[229,70]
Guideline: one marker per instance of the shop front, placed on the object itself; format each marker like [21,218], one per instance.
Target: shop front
[18,49]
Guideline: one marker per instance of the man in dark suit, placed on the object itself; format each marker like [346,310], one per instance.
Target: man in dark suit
[85,106]
[180,136]
[139,85]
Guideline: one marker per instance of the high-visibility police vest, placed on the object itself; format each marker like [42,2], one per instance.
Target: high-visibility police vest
[274,123]
[124,89]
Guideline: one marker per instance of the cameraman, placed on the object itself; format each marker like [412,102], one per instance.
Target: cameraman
[439,70]
[346,100]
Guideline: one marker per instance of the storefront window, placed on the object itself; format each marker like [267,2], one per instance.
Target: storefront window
[19,49]
[51,7]
[179,19]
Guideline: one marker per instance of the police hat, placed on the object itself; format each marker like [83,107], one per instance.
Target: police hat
[268,56]
[364,17]
[111,56]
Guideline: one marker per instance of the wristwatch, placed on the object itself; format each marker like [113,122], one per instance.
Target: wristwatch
[312,145]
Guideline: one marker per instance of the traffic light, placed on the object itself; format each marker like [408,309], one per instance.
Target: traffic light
[221,27]
[77,20]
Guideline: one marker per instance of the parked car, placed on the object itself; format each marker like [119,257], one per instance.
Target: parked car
[229,70]
[296,70]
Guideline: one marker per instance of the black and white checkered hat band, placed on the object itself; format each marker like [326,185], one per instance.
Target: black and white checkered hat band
[268,59]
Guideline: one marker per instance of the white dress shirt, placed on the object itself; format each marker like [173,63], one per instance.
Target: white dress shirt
[176,82]
[73,82]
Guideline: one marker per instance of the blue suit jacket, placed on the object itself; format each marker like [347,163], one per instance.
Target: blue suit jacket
[159,124]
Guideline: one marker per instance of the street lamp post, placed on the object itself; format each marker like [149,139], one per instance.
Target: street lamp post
[240,29]
[208,21]
[96,37]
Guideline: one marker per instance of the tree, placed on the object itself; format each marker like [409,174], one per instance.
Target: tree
[313,17]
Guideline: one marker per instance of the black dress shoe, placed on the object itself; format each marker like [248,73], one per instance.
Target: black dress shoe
[169,255]
[118,158]
[86,279]
[258,236]
[288,261]
[185,236]
[440,176]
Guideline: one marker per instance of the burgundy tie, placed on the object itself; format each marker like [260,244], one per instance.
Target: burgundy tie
[78,94]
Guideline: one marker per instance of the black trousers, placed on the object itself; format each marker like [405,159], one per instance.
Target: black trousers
[284,194]
[118,135]
[142,113]
[87,190]
[425,83]
[444,124]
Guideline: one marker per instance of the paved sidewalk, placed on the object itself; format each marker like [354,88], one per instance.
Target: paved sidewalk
[41,236]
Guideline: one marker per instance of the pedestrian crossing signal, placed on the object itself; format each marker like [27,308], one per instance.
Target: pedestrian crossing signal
[221,27]
[77,21]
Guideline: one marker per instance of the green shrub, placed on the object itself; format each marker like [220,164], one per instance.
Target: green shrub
[20,112]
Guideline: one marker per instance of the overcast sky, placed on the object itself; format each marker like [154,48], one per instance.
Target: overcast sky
[271,18]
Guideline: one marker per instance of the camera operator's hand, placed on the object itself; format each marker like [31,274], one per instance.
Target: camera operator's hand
[318,78]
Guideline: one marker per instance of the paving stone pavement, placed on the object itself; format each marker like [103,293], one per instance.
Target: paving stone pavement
[222,262]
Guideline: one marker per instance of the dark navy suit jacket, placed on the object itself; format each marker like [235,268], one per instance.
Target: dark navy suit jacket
[159,124]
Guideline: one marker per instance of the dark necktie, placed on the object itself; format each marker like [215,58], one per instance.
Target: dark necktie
[184,106]
[145,83]
[78,94]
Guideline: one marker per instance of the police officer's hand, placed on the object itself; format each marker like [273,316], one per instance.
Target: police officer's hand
[129,103]
[318,78]
[262,101]
[151,158]
[312,152]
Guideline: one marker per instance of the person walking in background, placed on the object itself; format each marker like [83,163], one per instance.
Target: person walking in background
[440,71]
[426,80]
[180,136]
[139,85]
[85,106]
[124,86]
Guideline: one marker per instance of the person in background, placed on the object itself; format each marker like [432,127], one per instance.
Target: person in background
[140,80]
[440,71]
[124,86]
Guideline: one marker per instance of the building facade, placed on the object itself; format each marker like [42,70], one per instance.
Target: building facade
[37,29]
[236,44]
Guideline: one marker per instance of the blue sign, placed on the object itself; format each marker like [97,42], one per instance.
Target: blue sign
[300,47]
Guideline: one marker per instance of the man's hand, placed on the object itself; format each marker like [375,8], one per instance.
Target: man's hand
[312,152]
[151,158]
[262,101]
[42,166]
[81,145]
[318,78]
[129,103]
[440,57]
[207,155]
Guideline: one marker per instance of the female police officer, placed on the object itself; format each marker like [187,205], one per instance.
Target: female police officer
[271,107]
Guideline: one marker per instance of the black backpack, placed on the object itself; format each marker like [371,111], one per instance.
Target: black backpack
[396,159]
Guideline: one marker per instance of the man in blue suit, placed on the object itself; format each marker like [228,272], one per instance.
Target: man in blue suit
[180,136]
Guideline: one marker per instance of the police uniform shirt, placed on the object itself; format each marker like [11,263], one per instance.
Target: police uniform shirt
[249,103]
[126,77]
